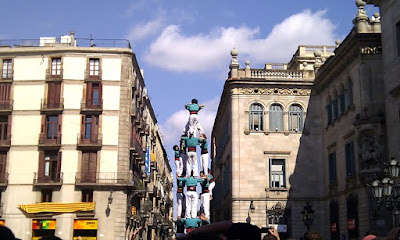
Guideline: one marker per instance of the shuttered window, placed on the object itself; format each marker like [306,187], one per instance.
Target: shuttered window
[277,173]
[295,118]
[276,118]
[332,167]
[349,94]
[350,165]
[89,167]
[256,117]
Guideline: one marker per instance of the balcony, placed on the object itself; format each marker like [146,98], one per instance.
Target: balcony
[93,78]
[94,142]
[54,78]
[50,142]
[3,180]
[133,110]
[55,180]
[6,106]
[52,106]
[92,106]
[103,179]
[6,77]
[5,142]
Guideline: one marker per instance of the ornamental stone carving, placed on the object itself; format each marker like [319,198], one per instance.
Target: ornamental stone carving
[276,91]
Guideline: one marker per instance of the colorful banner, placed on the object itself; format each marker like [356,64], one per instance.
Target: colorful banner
[2,222]
[85,224]
[48,224]
[58,207]
[147,161]
[153,157]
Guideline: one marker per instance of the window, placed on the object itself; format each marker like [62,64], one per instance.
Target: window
[332,167]
[334,219]
[398,38]
[352,216]
[93,95]
[277,173]
[275,118]
[3,128]
[53,95]
[90,125]
[89,167]
[56,67]
[256,117]
[94,66]
[49,166]
[295,118]
[87,195]
[349,94]
[51,127]
[7,69]
[46,195]
[349,150]
[342,103]
[5,98]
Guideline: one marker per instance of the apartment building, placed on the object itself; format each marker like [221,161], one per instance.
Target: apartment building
[80,145]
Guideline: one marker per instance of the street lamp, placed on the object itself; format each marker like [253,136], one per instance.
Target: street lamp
[308,215]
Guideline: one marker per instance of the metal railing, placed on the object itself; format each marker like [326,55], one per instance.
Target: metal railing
[6,105]
[3,178]
[79,42]
[5,140]
[49,105]
[103,178]
[44,139]
[92,106]
[56,178]
[95,139]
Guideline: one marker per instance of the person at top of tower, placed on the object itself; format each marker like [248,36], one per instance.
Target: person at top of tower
[193,122]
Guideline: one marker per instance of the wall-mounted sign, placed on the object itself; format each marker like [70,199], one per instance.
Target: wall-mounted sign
[85,224]
[47,224]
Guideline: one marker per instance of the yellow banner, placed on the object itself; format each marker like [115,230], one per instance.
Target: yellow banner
[2,223]
[58,207]
[153,157]
[85,224]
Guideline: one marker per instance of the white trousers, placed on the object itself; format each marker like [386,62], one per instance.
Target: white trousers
[179,166]
[193,125]
[204,162]
[191,204]
[192,164]
[205,203]
[211,187]
[181,202]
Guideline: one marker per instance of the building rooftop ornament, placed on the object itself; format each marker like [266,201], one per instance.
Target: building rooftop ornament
[234,54]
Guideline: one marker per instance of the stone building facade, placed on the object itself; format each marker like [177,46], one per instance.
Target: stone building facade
[81,152]
[308,131]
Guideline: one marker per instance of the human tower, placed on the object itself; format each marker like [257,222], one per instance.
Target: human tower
[187,172]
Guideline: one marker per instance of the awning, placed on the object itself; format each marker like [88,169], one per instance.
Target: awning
[58,207]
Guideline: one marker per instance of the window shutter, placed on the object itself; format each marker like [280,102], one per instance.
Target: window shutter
[9,124]
[82,127]
[89,93]
[59,124]
[94,128]
[44,124]
[41,165]
[270,175]
[59,158]
[101,94]
[3,161]
[57,93]
[85,163]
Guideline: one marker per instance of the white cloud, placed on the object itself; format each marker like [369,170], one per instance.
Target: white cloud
[175,51]
[144,30]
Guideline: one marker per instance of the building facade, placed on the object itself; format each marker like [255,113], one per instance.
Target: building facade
[306,133]
[81,152]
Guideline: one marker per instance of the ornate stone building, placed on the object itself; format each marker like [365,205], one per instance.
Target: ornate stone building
[81,153]
[309,131]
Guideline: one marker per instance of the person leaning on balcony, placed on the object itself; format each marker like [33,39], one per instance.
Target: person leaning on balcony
[191,195]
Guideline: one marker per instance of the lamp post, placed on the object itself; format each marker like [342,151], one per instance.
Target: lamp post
[386,189]
[308,215]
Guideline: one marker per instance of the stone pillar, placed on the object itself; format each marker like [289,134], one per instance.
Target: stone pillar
[234,66]
[248,70]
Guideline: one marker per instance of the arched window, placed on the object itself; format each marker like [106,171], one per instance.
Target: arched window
[335,106]
[256,117]
[342,102]
[295,118]
[329,111]
[349,93]
[276,118]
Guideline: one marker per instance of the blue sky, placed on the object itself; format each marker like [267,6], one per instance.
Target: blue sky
[183,46]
